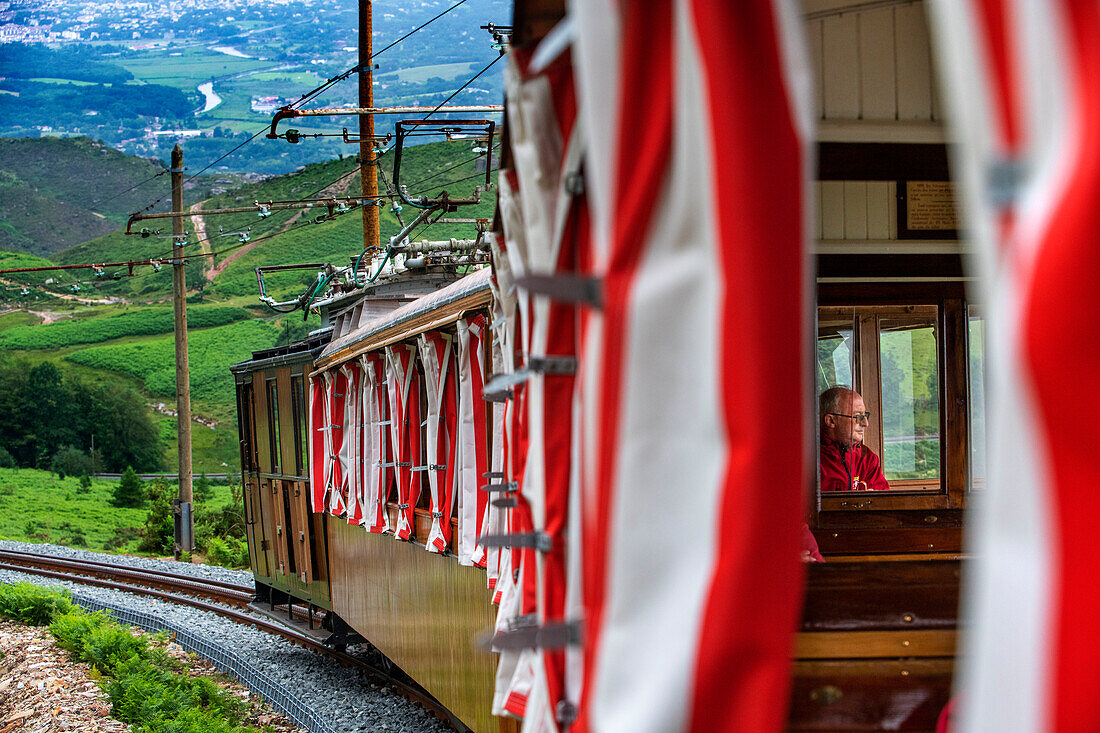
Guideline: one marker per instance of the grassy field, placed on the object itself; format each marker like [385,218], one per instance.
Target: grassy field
[418,74]
[114,325]
[53,510]
[211,351]
[194,66]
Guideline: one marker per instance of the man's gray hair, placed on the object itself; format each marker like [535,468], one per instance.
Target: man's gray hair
[831,399]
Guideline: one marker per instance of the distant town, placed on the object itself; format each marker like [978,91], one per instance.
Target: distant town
[144,76]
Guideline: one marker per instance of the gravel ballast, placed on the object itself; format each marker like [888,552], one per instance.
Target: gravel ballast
[343,700]
[204,572]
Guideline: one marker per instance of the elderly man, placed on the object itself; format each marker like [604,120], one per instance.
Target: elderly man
[847,464]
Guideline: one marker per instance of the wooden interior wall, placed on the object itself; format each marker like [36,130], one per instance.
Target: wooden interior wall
[872,65]
[856,210]
[421,610]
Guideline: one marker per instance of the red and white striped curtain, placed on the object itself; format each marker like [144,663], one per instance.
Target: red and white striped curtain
[348,451]
[695,371]
[472,456]
[1023,80]
[404,403]
[318,439]
[437,356]
[375,442]
[337,391]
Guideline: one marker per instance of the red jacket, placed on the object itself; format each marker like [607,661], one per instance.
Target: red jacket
[854,468]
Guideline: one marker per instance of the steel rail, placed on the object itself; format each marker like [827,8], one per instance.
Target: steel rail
[227,592]
[96,573]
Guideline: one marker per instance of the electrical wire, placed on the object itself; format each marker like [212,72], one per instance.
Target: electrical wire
[358,67]
[470,81]
[131,188]
[336,79]
[448,170]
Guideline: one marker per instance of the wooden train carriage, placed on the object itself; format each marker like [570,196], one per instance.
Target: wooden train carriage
[287,542]
[422,610]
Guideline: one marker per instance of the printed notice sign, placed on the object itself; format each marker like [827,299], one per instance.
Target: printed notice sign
[930,206]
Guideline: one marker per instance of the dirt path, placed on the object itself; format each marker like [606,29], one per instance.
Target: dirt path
[337,189]
[200,233]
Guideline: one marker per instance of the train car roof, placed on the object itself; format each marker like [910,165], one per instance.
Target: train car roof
[433,310]
[305,350]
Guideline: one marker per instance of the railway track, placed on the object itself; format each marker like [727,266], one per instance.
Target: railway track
[212,596]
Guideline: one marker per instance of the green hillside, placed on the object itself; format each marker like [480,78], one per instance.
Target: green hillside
[285,236]
[118,331]
[58,192]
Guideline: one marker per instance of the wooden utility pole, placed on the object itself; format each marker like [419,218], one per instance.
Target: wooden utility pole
[368,170]
[184,541]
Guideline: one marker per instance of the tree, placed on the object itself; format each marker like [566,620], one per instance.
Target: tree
[158,534]
[201,491]
[70,461]
[129,491]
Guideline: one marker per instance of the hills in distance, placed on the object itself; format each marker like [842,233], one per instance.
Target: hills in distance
[116,328]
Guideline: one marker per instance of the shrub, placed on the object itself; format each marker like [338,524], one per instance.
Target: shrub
[33,604]
[6,459]
[228,552]
[129,492]
[85,484]
[144,689]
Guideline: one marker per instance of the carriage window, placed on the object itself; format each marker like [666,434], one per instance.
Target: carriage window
[298,400]
[273,424]
[244,426]
[910,397]
[835,348]
[890,355]
[976,354]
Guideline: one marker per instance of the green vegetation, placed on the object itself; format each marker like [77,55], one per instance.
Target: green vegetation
[147,688]
[214,350]
[59,192]
[40,502]
[129,493]
[191,67]
[36,506]
[32,604]
[419,74]
[41,413]
[130,322]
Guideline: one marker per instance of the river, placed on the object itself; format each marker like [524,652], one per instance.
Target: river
[231,51]
[212,98]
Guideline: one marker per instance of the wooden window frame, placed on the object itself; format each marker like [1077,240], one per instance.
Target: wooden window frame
[274,429]
[952,360]
[299,417]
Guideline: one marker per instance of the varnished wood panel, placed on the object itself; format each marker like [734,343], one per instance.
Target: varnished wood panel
[268,507]
[257,527]
[884,596]
[878,695]
[848,541]
[874,644]
[421,610]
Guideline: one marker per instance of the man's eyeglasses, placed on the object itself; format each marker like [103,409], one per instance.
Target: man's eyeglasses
[863,417]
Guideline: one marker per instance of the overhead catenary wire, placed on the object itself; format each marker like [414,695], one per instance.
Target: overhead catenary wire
[128,190]
[347,73]
[314,92]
